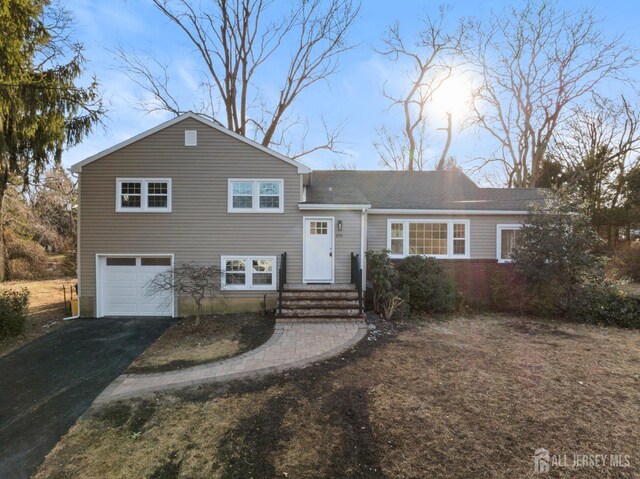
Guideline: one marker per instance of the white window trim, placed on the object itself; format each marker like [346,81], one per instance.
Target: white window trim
[143,195]
[249,286]
[190,138]
[499,228]
[449,222]
[255,194]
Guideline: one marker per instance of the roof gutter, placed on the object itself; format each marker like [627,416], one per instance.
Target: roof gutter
[314,206]
[401,211]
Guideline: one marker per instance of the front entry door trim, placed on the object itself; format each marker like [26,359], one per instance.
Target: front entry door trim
[308,275]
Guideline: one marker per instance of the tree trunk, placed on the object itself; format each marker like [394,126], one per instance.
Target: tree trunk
[443,158]
[409,131]
[4,181]
[198,311]
[3,255]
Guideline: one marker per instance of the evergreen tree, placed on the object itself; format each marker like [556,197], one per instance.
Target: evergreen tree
[43,109]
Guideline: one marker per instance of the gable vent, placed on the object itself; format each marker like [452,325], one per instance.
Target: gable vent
[190,137]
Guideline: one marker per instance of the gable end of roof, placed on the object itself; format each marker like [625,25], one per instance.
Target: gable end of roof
[77,167]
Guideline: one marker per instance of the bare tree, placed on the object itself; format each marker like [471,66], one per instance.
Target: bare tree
[393,148]
[433,56]
[597,148]
[350,164]
[196,281]
[443,157]
[535,62]
[234,41]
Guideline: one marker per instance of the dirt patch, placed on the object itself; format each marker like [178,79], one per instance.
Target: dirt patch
[46,309]
[466,397]
[541,327]
[217,337]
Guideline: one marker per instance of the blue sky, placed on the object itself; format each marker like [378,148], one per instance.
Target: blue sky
[352,96]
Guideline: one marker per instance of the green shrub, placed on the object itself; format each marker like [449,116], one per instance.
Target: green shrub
[627,262]
[429,286]
[383,278]
[602,303]
[555,254]
[14,305]
[559,257]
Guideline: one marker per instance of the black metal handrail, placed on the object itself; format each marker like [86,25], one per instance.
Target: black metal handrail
[282,279]
[356,277]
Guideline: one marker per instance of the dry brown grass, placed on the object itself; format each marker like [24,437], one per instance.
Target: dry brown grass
[469,397]
[631,288]
[46,309]
[217,337]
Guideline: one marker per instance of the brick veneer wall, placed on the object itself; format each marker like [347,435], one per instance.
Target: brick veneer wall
[473,278]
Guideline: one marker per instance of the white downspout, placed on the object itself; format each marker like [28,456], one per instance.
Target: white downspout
[363,247]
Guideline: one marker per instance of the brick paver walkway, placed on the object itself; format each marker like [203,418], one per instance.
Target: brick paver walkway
[292,345]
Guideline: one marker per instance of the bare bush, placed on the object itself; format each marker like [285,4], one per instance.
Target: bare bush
[196,281]
[627,262]
[26,259]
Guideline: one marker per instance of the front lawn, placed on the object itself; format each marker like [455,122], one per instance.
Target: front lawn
[217,337]
[466,397]
[46,309]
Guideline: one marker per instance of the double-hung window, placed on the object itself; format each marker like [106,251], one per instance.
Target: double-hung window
[143,195]
[255,196]
[248,272]
[506,238]
[437,238]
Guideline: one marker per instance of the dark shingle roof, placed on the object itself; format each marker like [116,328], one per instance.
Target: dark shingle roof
[446,190]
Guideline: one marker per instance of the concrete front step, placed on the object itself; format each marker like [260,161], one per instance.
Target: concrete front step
[320,311]
[320,319]
[319,287]
[324,295]
[320,303]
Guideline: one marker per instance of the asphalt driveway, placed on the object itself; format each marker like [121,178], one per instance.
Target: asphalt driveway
[47,384]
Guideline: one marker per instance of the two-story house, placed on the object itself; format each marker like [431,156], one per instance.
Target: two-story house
[191,190]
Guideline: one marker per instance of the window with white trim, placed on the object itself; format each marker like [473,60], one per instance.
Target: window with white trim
[437,238]
[256,196]
[143,195]
[506,238]
[248,272]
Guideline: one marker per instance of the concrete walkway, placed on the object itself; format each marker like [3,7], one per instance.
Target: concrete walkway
[292,345]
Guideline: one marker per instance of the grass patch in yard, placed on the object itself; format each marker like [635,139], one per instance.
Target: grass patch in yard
[466,397]
[46,309]
[217,337]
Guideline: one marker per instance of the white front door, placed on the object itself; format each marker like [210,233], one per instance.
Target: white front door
[318,250]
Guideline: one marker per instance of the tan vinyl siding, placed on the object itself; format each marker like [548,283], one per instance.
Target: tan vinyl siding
[199,227]
[482,231]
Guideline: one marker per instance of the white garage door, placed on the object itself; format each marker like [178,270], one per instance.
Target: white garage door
[124,283]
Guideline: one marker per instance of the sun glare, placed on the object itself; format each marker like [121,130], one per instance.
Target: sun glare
[454,96]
